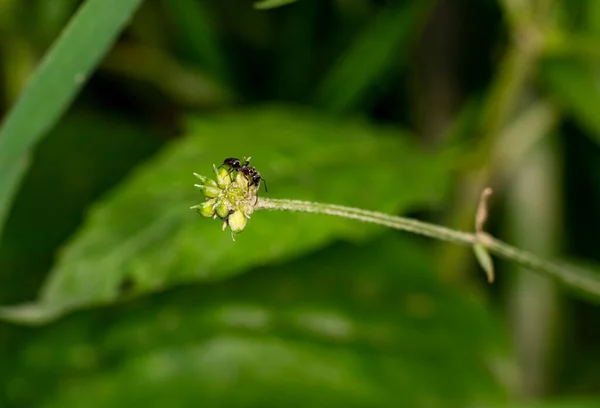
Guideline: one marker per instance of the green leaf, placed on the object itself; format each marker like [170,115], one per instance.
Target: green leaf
[59,77]
[563,403]
[485,261]
[67,174]
[293,67]
[268,4]
[592,16]
[383,46]
[192,22]
[11,174]
[144,235]
[352,325]
[577,89]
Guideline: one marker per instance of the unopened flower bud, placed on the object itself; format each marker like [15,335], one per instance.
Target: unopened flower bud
[202,178]
[237,221]
[206,208]
[223,177]
[210,183]
[222,209]
[232,197]
[209,191]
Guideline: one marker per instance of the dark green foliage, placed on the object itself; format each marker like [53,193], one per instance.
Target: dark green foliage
[82,157]
[278,337]
[60,76]
[141,225]
[400,106]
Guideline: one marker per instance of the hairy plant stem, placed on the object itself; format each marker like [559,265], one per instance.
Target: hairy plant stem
[573,276]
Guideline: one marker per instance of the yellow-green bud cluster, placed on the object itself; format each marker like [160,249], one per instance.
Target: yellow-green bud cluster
[231,198]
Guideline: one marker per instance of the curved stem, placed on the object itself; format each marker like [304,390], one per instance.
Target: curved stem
[392,221]
[578,278]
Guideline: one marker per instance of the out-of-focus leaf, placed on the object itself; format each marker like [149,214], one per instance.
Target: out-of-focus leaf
[577,89]
[465,123]
[268,4]
[192,21]
[566,403]
[183,84]
[592,15]
[295,62]
[352,325]
[50,17]
[59,77]
[144,235]
[384,44]
[11,174]
[68,173]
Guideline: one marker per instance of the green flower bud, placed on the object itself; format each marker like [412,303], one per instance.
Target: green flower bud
[223,176]
[208,191]
[222,209]
[202,178]
[205,181]
[207,208]
[211,183]
[237,221]
[232,197]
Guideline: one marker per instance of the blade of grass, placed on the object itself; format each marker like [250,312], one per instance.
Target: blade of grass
[10,176]
[196,36]
[380,49]
[61,74]
[268,4]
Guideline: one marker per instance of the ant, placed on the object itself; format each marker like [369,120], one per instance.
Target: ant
[252,175]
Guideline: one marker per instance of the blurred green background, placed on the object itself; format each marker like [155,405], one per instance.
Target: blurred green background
[124,296]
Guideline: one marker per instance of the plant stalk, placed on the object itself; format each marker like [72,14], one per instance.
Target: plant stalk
[581,279]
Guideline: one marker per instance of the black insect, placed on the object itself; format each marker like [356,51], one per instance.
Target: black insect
[250,173]
[234,163]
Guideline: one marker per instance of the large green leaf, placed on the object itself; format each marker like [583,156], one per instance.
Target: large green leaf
[144,235]
[352,325]
[59,77]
